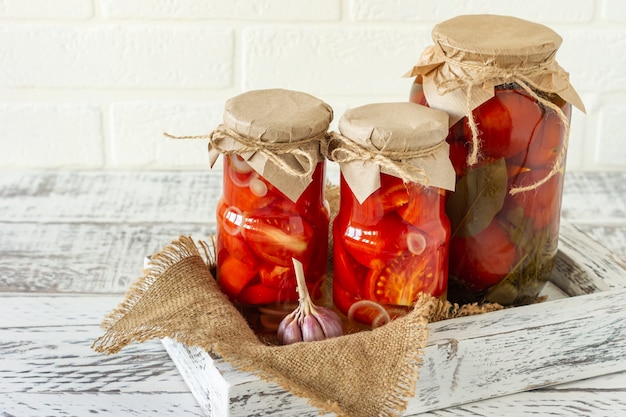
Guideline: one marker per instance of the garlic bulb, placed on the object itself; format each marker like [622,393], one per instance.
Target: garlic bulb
[308,322]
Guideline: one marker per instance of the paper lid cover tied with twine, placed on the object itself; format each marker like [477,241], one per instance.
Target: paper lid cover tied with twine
[278,132]
[406,140]
[474,53]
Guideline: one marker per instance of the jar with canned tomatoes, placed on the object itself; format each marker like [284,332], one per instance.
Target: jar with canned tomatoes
[273,206]
[390,236]
[510,106]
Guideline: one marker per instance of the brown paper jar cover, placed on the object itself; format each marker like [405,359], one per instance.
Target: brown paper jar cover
[478,52]
[399,130]
[275,117]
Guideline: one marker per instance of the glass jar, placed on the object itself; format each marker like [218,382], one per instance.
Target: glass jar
[390,236]
[273,206]
[510,107]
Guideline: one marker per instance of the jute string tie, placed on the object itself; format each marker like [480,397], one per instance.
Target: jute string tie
[524,76]
[273,151]
[343,149]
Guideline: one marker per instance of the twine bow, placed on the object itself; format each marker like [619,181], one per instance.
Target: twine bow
[273,151]
[524,76]
[343,149]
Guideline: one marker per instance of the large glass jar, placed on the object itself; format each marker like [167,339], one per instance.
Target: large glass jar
[390,236]
[273,206]
[510,107]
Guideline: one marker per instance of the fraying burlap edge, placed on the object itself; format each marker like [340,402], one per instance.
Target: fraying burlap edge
[183,249]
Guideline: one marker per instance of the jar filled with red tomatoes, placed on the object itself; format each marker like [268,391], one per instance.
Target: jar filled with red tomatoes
[510,106]
[273,206]
[390,236]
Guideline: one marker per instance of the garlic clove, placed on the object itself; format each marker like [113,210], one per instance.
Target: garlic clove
[329,322]
[289,331]
[311,329]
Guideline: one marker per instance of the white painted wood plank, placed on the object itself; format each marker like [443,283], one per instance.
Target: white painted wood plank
[109,404]
[40,310]
[595,197]
[574,404]
[107,258]
[552,292]
[609,382]
[583,266]
[543,403]
[46,347]
[223,391]
[461,365]
[82,257]
[109,196]
[59,359]
[610,236]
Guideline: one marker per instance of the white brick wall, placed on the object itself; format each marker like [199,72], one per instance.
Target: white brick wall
[95,83]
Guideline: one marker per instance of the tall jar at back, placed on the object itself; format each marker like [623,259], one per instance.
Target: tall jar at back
[273,206]
[510,105]
[390,236]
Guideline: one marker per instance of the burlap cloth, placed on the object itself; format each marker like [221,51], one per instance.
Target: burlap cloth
[368,373]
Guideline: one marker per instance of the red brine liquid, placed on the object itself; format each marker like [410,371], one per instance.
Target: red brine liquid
[260,230]
[388,250]
[503,246]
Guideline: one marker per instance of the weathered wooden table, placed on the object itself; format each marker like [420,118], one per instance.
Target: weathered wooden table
[72,242]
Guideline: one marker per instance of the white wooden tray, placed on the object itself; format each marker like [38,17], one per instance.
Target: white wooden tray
[580,332]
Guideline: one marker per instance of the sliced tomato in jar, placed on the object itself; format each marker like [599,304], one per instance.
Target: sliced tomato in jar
[483,259]
[374,246]
[425,205]
[245,199]
[506,123]
[391,195]
[402,280]
[258,294]
[277,276]
[277,237]
[233,275]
